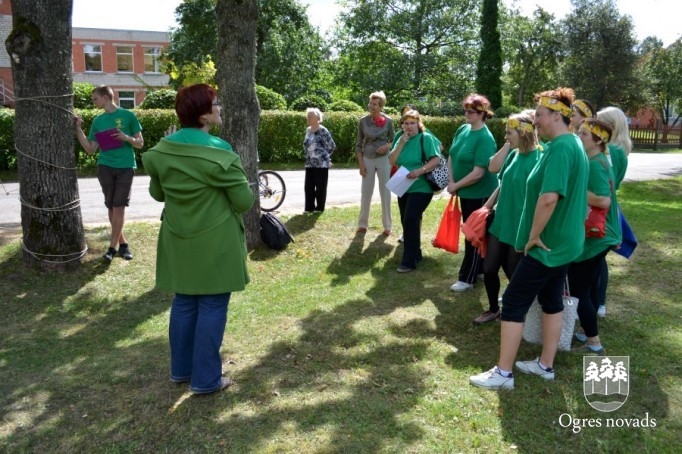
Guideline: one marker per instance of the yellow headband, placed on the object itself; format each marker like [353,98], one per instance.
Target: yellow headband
[582,108]
[597,130]
[556,105]
[521,126]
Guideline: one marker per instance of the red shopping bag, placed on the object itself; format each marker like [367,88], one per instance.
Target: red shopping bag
[447,236]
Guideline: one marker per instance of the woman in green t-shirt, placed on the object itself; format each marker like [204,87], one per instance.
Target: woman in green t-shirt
[584,272]
[552,234]
[514,168]
[418,152]
[470,153]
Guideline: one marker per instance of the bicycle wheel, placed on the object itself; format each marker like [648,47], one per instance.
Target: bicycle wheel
[271,189]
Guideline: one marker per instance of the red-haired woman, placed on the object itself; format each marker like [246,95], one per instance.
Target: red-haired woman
[201,253]
[471,150]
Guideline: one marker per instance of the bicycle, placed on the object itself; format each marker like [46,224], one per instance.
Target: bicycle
[271,189]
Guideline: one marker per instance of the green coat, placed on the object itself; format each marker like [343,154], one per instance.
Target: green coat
[202,246]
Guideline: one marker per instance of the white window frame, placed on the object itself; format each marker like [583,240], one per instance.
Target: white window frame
[93,52]
[123,101]
[130,54]
[155,53]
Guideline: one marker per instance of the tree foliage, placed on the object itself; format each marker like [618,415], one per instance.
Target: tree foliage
[159,99]
[82,95]
[600,59]
[290,52]
[489,67]
[270,99]
[533,53]
[411,49]
[663,72]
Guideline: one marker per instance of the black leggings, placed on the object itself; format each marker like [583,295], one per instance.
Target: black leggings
[498,255]
[582,281]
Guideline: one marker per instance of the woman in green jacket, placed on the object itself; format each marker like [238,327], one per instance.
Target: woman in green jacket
[201,253]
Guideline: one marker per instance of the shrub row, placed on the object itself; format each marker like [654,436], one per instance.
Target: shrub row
[280,134]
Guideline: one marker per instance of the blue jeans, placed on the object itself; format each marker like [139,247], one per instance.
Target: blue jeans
[197,325]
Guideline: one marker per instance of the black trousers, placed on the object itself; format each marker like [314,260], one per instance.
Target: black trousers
[315,188]
[472,264]
[498,255]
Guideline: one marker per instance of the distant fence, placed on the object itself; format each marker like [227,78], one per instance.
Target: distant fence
[658,138]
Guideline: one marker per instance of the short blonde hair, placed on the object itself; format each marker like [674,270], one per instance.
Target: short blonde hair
[380,95]
[316,111]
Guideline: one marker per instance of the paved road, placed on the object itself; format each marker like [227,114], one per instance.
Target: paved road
[343,190]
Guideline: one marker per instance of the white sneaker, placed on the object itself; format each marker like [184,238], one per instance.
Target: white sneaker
[601,312]
[492,380]
[533,367]
[460,286]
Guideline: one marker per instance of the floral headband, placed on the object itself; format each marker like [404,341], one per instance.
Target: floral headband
[521,126]
[597,130]
[555,104]
[584,110]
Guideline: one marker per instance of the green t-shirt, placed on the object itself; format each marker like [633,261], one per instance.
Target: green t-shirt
[619,162]
[470,149]
[601,183]
[513,176]
[561,169]
[411,158]
[124,156]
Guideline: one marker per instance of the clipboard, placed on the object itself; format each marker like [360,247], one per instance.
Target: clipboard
[106,140]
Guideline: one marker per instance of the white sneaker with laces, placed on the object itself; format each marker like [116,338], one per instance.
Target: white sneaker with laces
[601,312]
[533,367]
[460,286]
[492,379]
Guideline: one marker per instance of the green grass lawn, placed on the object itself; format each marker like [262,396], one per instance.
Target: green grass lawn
[331,351]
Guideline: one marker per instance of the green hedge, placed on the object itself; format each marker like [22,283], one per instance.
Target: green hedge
[280,134]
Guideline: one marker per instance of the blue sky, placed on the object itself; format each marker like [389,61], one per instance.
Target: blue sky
[651,17]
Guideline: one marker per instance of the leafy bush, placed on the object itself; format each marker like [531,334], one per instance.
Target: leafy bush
[280,134]
[270,99]
[82,95]
[159,99]
[302,103]
[344,106]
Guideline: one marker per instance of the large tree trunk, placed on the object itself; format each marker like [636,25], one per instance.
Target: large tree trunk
[236,69]
[40,48]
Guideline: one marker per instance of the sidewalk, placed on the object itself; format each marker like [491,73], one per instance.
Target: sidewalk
[343,190]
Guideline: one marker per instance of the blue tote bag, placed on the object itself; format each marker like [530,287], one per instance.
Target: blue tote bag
[629,243]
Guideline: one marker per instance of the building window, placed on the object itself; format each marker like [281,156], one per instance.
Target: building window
[151,59]
[124,59]
[93,57]
[126,99]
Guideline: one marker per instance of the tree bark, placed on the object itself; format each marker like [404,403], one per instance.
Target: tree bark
[40,49]
[236,69]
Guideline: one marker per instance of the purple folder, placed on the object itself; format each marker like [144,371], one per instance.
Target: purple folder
[107,141]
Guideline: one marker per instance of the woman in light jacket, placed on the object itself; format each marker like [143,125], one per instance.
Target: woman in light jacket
[375,136]
[201,252]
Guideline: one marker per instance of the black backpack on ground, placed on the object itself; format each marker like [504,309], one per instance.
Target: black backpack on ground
[273,231]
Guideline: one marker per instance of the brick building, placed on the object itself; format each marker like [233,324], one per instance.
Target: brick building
[126,60]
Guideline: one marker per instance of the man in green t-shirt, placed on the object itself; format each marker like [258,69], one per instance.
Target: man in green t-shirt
[115,133]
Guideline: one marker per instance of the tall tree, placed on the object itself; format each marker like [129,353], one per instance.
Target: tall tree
[409,48]
[236,77]
[533,52]
[44,133]
[601,58]
[489,67]
[663,72]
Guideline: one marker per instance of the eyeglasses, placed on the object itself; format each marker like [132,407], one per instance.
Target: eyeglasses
[217,104]
[471,111]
